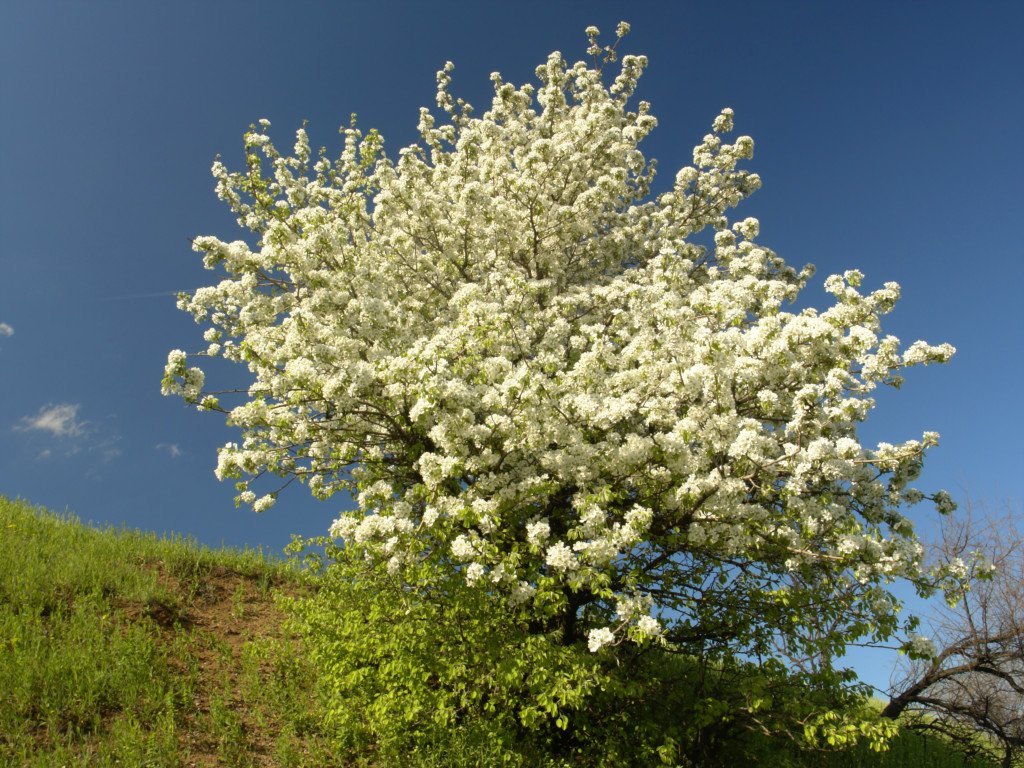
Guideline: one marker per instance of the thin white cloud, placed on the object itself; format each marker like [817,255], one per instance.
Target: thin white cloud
[109,451]
[6,329]
[59,420]
[172,448]
[155,295]
[57,430]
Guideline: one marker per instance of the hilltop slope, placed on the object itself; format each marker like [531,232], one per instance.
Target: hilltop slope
[120,648]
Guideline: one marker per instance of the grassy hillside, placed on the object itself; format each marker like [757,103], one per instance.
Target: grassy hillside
[120,648]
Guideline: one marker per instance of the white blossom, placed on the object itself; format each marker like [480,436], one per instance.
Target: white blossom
[462,548]
[538,532]
[599,638]
[474,572]
[521,362]
[560,557]
[920,647]
[343,527]
[648,626]
[263,503]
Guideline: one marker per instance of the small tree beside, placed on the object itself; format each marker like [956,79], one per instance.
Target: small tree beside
[556,400]
[971,690]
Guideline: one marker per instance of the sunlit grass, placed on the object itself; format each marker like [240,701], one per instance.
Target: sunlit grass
[122,648]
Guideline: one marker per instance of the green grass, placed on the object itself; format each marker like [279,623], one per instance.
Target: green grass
[119,648]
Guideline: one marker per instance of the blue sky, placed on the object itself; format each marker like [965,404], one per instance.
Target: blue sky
[889,138]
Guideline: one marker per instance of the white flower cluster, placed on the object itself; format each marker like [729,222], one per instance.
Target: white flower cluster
[519,359]
[599,638]
[537,533]
[179,379]
[920,647]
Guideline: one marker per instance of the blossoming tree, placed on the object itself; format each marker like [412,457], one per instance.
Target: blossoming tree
[532,371]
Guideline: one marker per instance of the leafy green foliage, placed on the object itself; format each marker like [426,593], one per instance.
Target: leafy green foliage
[906,750]
[410,671]
[419,665]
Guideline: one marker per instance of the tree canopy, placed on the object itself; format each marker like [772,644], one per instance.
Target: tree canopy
[591,402]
